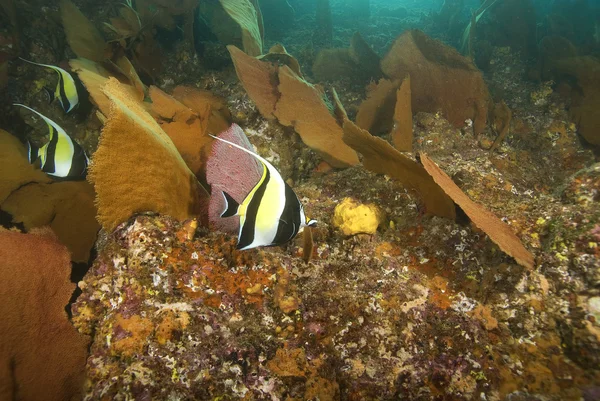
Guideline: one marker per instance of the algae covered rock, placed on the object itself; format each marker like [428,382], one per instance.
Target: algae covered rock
[180,318]
[351,217]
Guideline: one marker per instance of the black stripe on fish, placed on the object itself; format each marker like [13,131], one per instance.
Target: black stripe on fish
[32,152]
[64,100]
[248,229]
[78,162]
[289,221]
[49,165]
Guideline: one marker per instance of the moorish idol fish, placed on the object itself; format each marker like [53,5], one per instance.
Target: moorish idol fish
[61,156]
[271,214]
[66,91]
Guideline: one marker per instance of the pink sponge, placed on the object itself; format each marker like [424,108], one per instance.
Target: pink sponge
[233,171]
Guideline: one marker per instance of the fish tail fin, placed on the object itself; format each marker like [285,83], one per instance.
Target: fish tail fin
[50,95]
[231,206]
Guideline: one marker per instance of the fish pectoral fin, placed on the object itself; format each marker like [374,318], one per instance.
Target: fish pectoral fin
[50,95]
[231,205]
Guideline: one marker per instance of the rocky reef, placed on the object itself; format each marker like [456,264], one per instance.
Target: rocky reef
[424,308]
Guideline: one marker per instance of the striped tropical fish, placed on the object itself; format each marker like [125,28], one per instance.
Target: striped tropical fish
[271,213]
[66,91]
[61,156]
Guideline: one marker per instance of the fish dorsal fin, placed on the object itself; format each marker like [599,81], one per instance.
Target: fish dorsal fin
[51,124]
[55,68]
[261,159]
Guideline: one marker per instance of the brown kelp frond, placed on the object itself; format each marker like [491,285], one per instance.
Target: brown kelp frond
[301,106]
[278,54]
[440,79]
[83,37]
[197,100]
[234,22]
[66,207]
[501,123]
[94,75]
[45,354]
[496,229]
[402,132]
[375,113]
[364,56]
[259,79]
[16,169]
[143,170]
[245,15]
[187,129]
[358,62]
[584,110]
[338,108]
[279,92]
[381,158]
[127,69]
[127,25]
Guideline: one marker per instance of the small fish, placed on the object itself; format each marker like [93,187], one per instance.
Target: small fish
[61,156]
[66,91]
[271,214]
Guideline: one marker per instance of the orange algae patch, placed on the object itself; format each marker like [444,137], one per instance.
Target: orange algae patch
[42,356]
[211,280]
[284,294]
[381,158]
[138,329]
[288,363]
[386,249]
[246,283]
[171,323]
[440,293]
[137,168]
[484,314]
[498,231]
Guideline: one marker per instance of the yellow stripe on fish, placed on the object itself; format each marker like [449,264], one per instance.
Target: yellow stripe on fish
[66,90]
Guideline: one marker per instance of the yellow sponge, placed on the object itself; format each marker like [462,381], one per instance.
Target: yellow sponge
[352,218]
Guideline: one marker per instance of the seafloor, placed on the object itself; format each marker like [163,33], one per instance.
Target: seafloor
[424,309]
